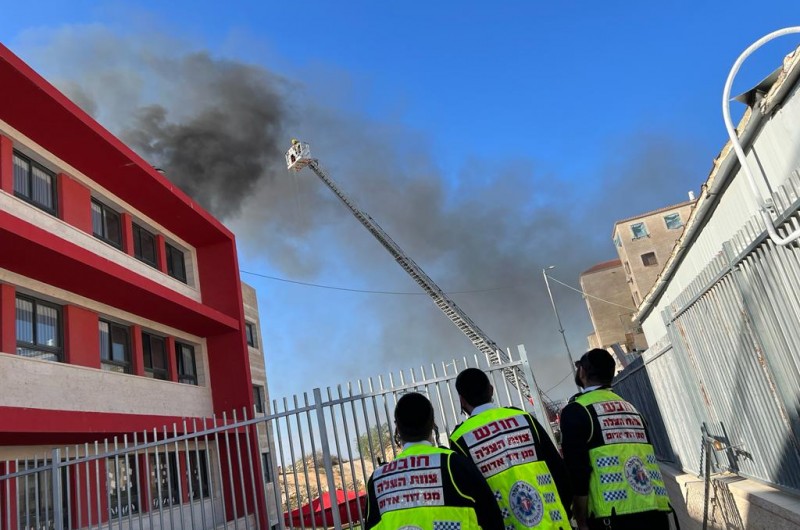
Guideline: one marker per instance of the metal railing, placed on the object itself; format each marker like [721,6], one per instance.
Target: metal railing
[208,473]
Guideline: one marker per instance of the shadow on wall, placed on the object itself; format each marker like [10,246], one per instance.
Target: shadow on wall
[637,389]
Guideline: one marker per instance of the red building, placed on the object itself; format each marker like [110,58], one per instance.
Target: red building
[120,300]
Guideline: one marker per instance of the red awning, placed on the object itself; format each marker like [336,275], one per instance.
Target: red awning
[319,513]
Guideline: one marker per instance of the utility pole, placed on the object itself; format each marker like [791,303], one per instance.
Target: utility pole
[558,318]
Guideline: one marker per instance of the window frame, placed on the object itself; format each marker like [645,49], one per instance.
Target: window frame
[137,241]
[250,334]
[644,227]
[53,184]
[126,366]
[648,254]
[172,252]
[104,236]
[259,398]
[187,379]
[673,215]
[147,345]
[41,348]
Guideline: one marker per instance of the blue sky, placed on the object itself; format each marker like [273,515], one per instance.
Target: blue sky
[526,127]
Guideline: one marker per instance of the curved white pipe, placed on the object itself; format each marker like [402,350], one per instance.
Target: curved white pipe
[737,147]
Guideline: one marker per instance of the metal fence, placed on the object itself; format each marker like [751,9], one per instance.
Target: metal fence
[731,358]
[209,473]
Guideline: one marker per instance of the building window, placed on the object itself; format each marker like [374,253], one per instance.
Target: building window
[187,368]
[35,495]
[164,480]
[617,241]
[122,486]
[155,356]
[265,465]
[144,246]
[639,230]
[176,266]
[649,259]
[114,348]
[198,475]
[34,183]
[258,398]
[250,333]
[673,221]
[38,329]
[106,224]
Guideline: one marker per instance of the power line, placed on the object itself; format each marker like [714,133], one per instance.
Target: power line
[556,385]
[367,291]
[584,293]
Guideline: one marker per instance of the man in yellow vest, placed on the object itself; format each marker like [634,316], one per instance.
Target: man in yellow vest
[514,454]
[427,487]
[615,476]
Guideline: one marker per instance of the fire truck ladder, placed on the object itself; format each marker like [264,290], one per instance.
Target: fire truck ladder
[299,156]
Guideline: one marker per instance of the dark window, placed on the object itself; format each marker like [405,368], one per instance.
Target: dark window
[258,399]
[122,486]
[649,259]
[155,356]
[164,480]
[639,230]
[34,183]
[673,221]
[187,368]
[144,246]
[617,241]
[250,333]
[106,224]
[38,329]
[176,267]
[114,347]
[35,495]
[265,464]
[198,475]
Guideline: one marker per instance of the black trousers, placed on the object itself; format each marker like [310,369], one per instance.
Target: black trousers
[636,521]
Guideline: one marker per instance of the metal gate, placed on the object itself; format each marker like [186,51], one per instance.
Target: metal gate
[320,450]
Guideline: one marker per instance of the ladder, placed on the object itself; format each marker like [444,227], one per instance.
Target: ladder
[299,156]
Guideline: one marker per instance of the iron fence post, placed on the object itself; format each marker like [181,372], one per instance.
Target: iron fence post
[327,461]
[538,402]
[58,516]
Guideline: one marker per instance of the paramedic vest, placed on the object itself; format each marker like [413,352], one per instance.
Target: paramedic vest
[625,478]
[417,490]
[503,443]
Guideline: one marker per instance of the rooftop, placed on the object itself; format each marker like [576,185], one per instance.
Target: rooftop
[610,264]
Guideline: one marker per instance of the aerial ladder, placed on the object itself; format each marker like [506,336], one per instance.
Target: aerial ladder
[299,156]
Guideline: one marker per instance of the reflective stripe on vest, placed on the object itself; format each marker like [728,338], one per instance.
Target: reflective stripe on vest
[410,492]
[625,475]
[502,443]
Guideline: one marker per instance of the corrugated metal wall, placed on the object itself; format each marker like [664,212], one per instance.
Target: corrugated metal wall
[731,358]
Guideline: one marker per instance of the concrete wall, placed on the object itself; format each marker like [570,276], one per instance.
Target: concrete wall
[258,372]
[660,240]
[734,503]
[610,322]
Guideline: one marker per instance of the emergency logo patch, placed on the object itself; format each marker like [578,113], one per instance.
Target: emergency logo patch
[526,503]
[409,527]
[637,477]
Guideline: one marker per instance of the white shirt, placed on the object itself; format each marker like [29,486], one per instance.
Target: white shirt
[590,388]
[482,408]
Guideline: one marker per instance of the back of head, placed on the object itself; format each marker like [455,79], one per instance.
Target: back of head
[413,415]
[599,366]
[473,385]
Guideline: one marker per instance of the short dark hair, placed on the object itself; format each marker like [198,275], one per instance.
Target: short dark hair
[414,417]
[599,365]
[474,386]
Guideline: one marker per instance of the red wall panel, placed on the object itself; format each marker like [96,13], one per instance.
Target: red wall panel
[8,332]
[74,203]
[137,353]
[81,337]
[6,165]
